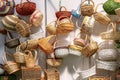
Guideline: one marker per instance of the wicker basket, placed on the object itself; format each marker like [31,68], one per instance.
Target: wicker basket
[64,26]
[31,73]
[51,28]
[90,48]
[11,67]
[87,9]
[30,59]
[29,44]
[10,21]
[23,28]
[111,35]
[99,17]
[19,57]
[99,78]
[63,13]
[46,44]
[52,74]
[36,18]
[80,41]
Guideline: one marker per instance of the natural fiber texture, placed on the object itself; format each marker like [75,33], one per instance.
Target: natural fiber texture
[26,8]
[10,21]
[51,28]
[90,48]
[23,28]
[19,57]
[11,67]
[54,62]
[46,44]
[30,59]
[80,41]
[111,35]
[52,74]
[7,7]
[36,18]
[103,19]
[63,13]
[87,9]
[31,73]
[64,27]
[29,44]
[76,47]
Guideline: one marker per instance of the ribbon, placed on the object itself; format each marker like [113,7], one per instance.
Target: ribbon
[84,74]
[107,65]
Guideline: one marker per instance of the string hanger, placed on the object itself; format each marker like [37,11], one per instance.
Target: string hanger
[60,2]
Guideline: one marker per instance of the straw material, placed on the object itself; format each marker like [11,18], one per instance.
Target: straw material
[76,47]
[45,45]
[36,18]
[51,28]
[11,67]
[90,48]
[29,44]
[52,74]
[29,58]
[87,9]
[99,17]
[54,62]
[19,57]
[111,35]
[10,21]
[23,28]
[63,13]
[64,26]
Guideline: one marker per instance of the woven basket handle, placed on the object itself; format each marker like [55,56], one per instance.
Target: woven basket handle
[9,35]
[97,7]
[87,0]
[29,54]
[35,52]
[63,7]
[21,2]
[63,17]
[113,25]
